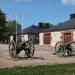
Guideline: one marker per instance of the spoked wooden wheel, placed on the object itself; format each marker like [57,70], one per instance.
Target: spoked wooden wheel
[57,46]
[72,45]
[30,49]
[12,49]
[61,51]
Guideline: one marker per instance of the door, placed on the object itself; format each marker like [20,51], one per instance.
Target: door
[46,38]
[67,37]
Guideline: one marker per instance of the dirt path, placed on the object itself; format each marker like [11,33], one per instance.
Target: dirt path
[43,56]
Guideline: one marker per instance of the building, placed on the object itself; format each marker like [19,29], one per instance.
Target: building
[64,32]
[32,32]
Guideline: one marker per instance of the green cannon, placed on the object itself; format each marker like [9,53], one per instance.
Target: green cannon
[16,48]
[65,48]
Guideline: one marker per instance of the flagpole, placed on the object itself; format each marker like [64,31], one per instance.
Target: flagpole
[16,28]
[16,23]
[22,23]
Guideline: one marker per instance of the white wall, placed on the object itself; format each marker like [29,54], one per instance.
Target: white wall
[11,38]
[31,36]
[74,35]
[55,38]
[26,37]
[41,38]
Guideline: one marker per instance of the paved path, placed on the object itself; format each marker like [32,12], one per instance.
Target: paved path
[43,56]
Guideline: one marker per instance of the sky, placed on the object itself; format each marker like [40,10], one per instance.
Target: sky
[29,12]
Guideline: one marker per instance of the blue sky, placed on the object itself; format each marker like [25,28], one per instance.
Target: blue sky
[34,11]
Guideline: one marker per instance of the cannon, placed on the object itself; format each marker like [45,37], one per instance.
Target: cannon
[64,48]
[16,48]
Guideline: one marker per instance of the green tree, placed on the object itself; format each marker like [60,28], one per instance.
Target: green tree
[2,24]
[11,26]
[44,25]
[11,29]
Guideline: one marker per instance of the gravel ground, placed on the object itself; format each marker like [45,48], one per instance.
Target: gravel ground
[43,56]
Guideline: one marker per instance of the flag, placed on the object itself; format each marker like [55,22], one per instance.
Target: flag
[14,14]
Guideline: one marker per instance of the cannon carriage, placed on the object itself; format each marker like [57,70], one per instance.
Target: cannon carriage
[16,48]
[65,48]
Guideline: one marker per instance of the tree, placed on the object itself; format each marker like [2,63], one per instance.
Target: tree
[2,24]
[7,28]
[11,27]
[44,25]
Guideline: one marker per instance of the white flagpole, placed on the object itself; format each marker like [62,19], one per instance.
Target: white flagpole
[16,27]
[22,22]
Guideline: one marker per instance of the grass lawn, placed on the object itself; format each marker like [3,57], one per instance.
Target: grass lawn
[61,69]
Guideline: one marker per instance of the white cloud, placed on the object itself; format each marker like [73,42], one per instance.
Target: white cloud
[68,2]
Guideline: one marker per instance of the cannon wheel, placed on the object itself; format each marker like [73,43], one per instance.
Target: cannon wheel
[59,49]
[57,46]
[30,49]
[72,45]
[62,50]
[12,49]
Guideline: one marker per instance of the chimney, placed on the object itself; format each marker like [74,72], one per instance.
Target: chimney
[72,16]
